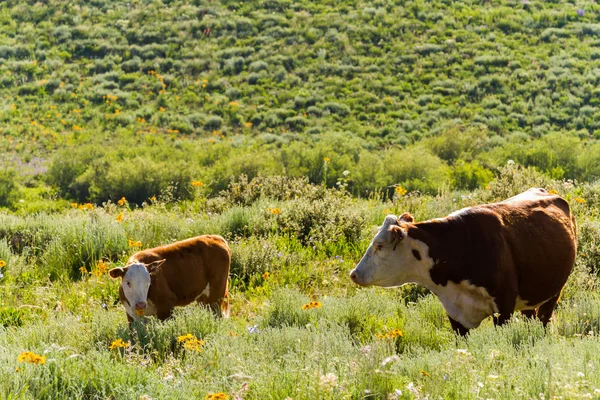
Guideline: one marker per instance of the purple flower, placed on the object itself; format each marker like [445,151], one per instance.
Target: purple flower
[580,12]
[253,329]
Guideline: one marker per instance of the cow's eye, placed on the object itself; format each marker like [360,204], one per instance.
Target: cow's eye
[378,246]
[128,283]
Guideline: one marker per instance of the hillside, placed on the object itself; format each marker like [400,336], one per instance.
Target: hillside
[104,99]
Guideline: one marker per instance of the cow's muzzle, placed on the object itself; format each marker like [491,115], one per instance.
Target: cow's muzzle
[140,308]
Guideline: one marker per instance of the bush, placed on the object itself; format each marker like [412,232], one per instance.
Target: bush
[8,187]
[469,176]
[336,108]
[214,122]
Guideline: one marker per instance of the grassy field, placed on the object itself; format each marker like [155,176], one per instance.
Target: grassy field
[291,128]
[292,244]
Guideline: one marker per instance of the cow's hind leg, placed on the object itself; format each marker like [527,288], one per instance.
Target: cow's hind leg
[545,310]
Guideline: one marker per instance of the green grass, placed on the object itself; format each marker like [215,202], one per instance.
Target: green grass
[271,348]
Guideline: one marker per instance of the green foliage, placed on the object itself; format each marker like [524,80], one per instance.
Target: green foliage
[8,187]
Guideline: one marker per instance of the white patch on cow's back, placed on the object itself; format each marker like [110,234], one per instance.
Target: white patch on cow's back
[523,305]
[205,292]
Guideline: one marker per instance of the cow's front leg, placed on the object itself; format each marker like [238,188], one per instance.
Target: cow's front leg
[458,327]
[506,306]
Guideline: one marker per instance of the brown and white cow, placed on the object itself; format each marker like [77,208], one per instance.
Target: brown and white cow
[491,259]
[156,280]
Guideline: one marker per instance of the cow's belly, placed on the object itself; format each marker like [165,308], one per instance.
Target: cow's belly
[522,305]
[466,303]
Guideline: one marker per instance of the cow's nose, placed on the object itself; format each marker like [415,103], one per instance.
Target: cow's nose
[140,305]
[353,276]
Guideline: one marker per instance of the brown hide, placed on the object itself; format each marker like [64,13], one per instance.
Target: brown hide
[522,247]
[190,265]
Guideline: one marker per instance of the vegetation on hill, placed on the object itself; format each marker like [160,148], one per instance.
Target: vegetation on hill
[291,128]
[104,99]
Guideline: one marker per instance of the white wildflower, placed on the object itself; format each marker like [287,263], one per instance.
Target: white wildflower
[389,359]
[328,381]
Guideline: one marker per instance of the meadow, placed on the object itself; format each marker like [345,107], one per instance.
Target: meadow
[291,128]
[299,328]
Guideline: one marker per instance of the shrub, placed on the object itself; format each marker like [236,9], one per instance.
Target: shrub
[214,122]
[336,108]
[8,187]
[469,176]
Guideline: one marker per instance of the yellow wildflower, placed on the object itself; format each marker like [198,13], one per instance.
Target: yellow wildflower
[552,191]
[83,270]
[122,201]
[197,183]
[118,343]
[425,373]
[216,396]
[134,243]
[580,200]
[390,335]
[74,205]
[274,211]
[400,191]
[185,337]
[28,356]
[312,304]
[119,217]
[266,275]
[101,268]
[2,263]
[191,342]
[162,109]
[326,160]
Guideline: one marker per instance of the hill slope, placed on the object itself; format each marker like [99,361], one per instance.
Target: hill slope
[368,86]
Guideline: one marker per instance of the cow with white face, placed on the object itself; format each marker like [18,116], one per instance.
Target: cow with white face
[481,261]
[389,262]
[155,281]
[134,287]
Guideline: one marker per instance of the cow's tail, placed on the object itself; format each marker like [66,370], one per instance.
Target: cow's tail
[225,303]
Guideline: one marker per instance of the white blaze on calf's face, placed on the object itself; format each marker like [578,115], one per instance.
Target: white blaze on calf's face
[390,259]
[136,283]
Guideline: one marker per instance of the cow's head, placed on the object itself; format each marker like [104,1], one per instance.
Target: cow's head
[136,282]
[393,258]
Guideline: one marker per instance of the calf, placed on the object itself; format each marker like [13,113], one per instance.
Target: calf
[156,280]
[485,260]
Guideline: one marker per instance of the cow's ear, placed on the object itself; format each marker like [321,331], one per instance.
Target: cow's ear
[390,220]
[154,267]
[117,272]
[397,234]
[406,217]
